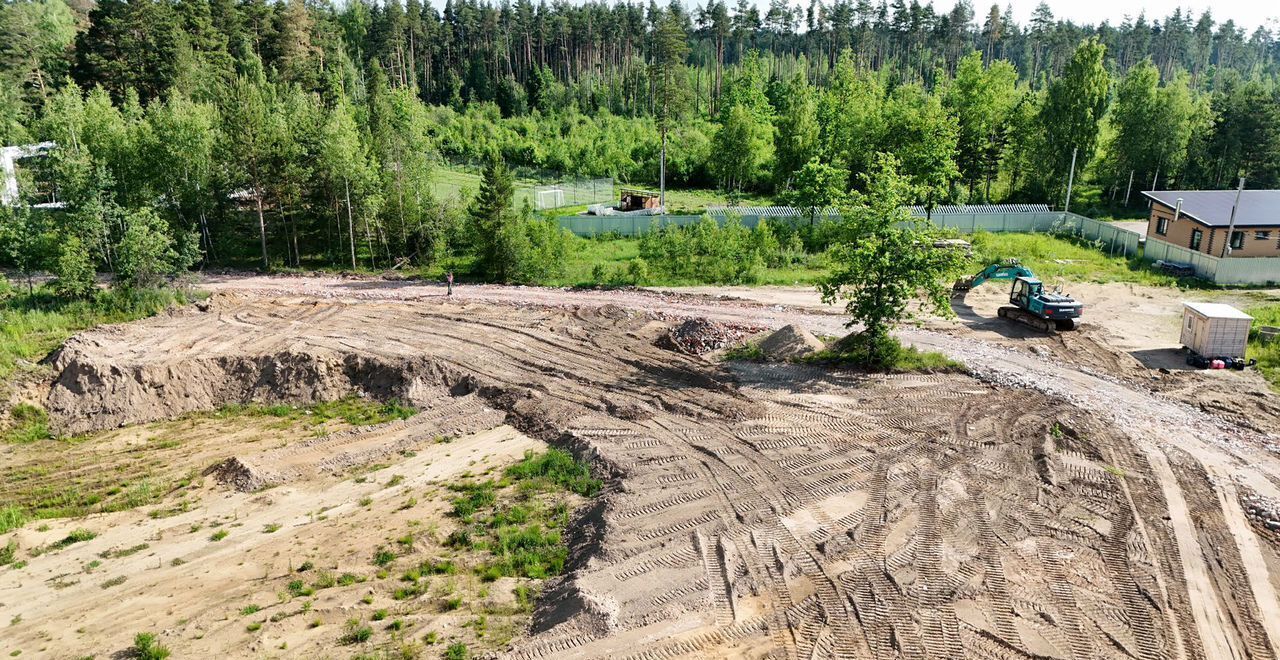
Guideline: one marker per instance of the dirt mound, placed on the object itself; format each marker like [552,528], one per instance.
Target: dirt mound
[789,343]
[244,477]
[699,336]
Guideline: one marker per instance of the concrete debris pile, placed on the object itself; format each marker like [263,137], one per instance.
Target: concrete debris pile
[698,336]
[789,343]
[1263,512]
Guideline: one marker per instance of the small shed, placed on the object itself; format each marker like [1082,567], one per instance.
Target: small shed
[635,200]
[1214,329]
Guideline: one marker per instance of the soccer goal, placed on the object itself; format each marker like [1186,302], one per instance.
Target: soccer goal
[551,198]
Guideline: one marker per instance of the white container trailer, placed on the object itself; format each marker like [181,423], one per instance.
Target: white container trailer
[1215,330]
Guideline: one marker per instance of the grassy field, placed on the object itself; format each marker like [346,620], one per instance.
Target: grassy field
[450,182]
[32,325]
[1267,354]
[1054,258]
[586,254]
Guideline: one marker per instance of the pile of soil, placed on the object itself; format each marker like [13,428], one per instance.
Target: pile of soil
[789,343]
[698,336]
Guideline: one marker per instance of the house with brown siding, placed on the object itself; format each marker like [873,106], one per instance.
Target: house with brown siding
[1204,219]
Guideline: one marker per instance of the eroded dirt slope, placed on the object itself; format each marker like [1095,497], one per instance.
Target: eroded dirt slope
[782,510]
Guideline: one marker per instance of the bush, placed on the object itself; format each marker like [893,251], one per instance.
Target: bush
[710,252]
[147,254]
[74,270]
[30,424]
[356,633]
[884,353]
[559,467]
[457,651]
[145,647]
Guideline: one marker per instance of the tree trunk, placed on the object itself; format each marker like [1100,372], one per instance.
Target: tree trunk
[262,228]
[351,223]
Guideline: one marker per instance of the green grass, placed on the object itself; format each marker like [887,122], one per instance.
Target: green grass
[851,351]
[517,520]
[1056,259]
[1267,354]
[11,518]
[558,467]
[586,255]
[32,325]
[748,352]
[28,424]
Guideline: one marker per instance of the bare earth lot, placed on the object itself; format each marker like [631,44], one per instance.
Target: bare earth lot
[1065,501]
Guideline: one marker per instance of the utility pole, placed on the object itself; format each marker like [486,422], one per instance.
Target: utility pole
[662,176]
[1231,226]
[1071,179]
[1129,189]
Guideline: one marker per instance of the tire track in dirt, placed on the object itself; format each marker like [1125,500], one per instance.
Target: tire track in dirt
[1209,619]
[879,504]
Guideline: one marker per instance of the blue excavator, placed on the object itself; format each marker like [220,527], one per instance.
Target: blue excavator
[1030,304]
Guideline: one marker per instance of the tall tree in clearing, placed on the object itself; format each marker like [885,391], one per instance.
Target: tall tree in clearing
[491,214]
[251,133]
[345,162]
[883,258]
[670,48]
[1071,116]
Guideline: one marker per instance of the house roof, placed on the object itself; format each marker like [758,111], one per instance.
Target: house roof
[1258,208]
[1217,310]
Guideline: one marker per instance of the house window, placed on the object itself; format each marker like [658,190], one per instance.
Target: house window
[1196,237]
[1261,235]
[1162,226]
[1237,240]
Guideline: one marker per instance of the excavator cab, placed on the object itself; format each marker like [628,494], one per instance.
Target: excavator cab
[1024,290]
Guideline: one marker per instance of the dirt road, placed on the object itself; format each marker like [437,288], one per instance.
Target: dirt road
[1045,507]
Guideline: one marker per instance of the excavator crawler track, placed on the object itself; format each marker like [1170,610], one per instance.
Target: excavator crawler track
[1048,326]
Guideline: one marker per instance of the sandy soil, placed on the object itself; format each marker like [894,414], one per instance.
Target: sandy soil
[167,574]
[1054,504]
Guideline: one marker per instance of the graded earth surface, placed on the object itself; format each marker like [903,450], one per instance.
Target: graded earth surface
[1062,499]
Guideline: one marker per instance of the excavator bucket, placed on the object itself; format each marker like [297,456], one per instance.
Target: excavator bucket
[962,286]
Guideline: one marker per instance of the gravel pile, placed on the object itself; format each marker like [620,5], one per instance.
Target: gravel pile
[1263,511]
[700,335]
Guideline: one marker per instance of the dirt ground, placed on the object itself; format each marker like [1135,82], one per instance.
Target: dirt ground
[1063,501]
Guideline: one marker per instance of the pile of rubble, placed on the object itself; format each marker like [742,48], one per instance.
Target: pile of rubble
[698,336]
[1263,512]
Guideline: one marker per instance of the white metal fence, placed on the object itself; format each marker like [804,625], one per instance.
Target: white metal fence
[1231,271]
[1108,237]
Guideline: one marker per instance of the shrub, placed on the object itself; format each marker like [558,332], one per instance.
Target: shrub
[8,552]
[710,252]
[382,556]
[11,518]
[457,651]
[145,647]
[356,633]
[883,353]
[559,467]
[147,254]
[73,269]
[30,423]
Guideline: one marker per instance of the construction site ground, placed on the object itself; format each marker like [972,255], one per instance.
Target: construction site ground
[1065,499]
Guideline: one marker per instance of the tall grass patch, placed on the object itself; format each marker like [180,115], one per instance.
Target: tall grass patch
[33,324]
[1267,353]
[518,522]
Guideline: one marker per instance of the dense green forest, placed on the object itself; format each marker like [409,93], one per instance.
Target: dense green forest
[295,134]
